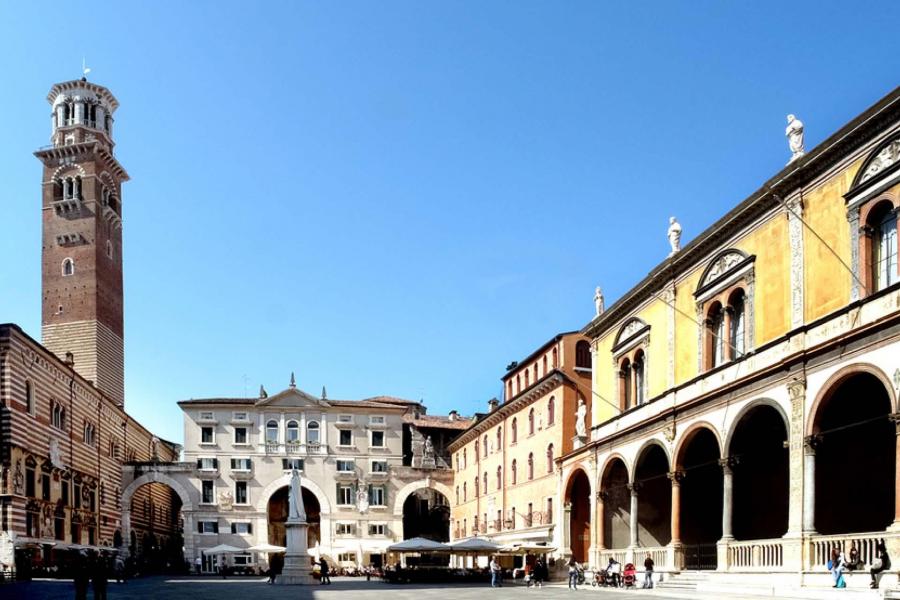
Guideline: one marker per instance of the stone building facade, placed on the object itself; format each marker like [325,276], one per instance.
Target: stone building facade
[357,480]
[506,480]
[767,349]
[64,433]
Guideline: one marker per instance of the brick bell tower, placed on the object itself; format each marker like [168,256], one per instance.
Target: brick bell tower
[82,235]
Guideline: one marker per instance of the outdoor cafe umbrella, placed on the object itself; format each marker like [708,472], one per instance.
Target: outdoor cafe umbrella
[266,548]
[526,548]
[475,545]
[223,549]
[418,544]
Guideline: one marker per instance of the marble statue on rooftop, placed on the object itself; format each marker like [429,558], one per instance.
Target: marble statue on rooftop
[580,414]
[794,134]
[674,235]
[598,301]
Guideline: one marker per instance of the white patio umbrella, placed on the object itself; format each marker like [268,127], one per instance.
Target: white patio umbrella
[223,549]
[419,544]
[475,545]
[266,548]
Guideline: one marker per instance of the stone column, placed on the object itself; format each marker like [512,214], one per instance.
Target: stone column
[795,234]
[567,529]
[727,492]
[633,515]
[100,117]
[79,113]
[674,554]
[895,526]
[809,485]
[853,219]
[601,521]
[126,530]
[727,350]
[61,115]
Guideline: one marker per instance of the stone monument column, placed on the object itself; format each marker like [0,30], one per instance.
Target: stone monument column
[296,569]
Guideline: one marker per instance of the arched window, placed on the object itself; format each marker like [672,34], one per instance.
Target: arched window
[544,364]
[530,466]
[513,473]
[312,432]
[715,332]
[551,411]
[531,422]
[509,391]
[637,370]
[550,458]
[738,328]
[68,267]
[535,373]
[499,438]
[527,383]
[583,354]
[625,384]
[477,450]
[458,463]
[272,432]
[465,459]
[29,397]
[477,486]
[515,430]
[499,478]
[58,416]
[484,448]
[109,249]
[465,492]
[484,482]
[555,362]
[882,223]
[292,432]
[457,494]
[518,382]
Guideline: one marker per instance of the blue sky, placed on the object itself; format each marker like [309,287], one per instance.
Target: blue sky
[402,197]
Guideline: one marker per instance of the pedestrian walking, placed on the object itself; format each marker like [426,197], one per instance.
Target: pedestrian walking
[496,573]
[198,564]
[81,578]
[540,572]
[881,563]
[837,563]
[324,578]
[119,570]
[100,578]
[648,572]
[574,567]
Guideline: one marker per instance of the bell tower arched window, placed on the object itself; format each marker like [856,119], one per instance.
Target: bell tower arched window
[531,422]
[551,411]
[515,430]
[530,466]
[513,473]
[550,458]
[583,354]
[68,267]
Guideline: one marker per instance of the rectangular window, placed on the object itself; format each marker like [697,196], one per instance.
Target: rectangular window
[376,420]
[207,463]
[242,560]
[242,528]
[45,486]
[289,464]
[346,437]
[206,415]
[344,529]
[241,464]
[377,495]
[379,466]
[240,492]
[376,529]
[240,416]
[207,435]
[378,439]
[345,419]
[345,495]
[77,495]
[240,435]
[29,483]
[208,495]
[207,527]
[64,489]
[346,466]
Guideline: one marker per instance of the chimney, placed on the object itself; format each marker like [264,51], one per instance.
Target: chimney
[70,359]
[453,415]
[493,403]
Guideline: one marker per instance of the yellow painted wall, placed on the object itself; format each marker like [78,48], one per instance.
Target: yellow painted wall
[827,282]
[686,327]
[772,294]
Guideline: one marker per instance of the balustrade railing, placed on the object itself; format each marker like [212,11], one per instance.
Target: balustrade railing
[756,554]
[866,544]
[619,555]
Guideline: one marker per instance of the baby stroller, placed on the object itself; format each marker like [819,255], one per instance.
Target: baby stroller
[629,575]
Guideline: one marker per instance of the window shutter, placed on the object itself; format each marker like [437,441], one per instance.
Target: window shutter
[199,527]
[233,466]
[215,527]
[234,528]
[199,464]
[215,463]
[371,494]
[337,492]
[249,527]
[284,464]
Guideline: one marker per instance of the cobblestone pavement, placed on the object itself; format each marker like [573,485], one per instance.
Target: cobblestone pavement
[210,588]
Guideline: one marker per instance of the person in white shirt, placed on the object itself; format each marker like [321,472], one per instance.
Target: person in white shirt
[496,572]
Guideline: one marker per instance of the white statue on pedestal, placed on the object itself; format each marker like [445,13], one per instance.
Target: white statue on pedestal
[580,414]
[296,570]
[794,134]
[674,235]
[598,301]
[296,510]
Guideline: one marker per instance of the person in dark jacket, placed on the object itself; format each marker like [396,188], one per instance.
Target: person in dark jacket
[881,555]
[648,572]
[323,567]
[100,578]
[82,577]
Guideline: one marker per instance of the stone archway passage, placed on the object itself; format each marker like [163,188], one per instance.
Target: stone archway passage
[578,497]
[616,505]
[426,513]
[654,497]
[760,475]
[277,514]
[855,446]
[701,500]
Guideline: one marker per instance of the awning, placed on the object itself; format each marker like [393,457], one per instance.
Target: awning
[525,548]
[222,549]
[266,548]
[419,545]
[474,545]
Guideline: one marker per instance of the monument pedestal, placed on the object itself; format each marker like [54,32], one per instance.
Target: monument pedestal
[579,441]
[297,569]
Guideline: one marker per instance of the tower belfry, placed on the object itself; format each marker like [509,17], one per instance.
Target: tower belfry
[81,279]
